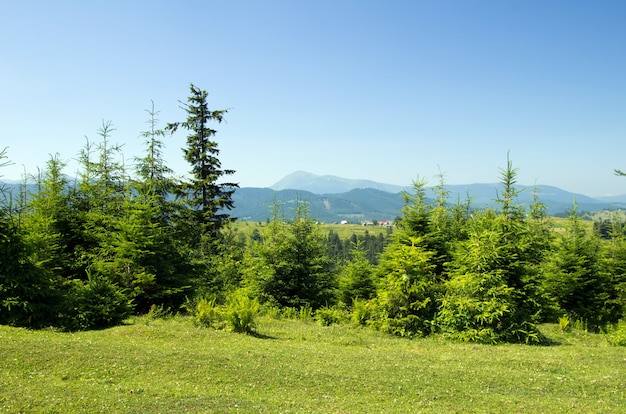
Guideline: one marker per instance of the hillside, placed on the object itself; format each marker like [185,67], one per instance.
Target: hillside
[355,206]
[333,199]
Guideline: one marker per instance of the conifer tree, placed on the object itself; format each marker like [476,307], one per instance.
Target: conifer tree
[206,195]
[356,277]
[410,268]
[574,279]
[26,294]
[491,295]
[291,267]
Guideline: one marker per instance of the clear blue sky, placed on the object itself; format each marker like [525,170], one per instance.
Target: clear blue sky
[386,91]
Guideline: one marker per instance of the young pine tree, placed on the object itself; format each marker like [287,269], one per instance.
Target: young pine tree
[573,277]
[291,266]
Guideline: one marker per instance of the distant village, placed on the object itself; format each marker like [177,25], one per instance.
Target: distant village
[383,223]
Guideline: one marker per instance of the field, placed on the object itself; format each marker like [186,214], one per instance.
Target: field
[344,231]
[170,366]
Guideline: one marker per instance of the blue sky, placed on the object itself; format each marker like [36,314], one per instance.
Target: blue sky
[386,91]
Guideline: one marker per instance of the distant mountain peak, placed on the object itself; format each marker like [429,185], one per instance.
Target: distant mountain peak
[329,184]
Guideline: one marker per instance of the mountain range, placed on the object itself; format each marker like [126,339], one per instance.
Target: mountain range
[333,199]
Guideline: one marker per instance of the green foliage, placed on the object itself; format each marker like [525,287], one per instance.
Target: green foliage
[290,267]
[27,294]
[327,316]
[574,279]
[94,304]
[238,313]
[356,277]
[492,294]
[207,314]
[362,311]
[408,289]
[616,333]
[241,311]
[410,269]
[565,323]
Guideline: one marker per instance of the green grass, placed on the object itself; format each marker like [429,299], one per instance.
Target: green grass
[344,231]
[159,366]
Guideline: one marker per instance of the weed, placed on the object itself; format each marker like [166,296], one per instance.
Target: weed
[616,334]
[565,323]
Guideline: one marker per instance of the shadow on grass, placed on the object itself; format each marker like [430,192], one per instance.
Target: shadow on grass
[261,335]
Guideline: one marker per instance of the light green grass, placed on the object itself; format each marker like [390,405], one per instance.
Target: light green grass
[170,366]
[344,231]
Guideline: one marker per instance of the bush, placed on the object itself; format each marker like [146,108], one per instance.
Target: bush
[362,311]
[240,312]
[96,304]
[206,313]
[616,334]
[327,316]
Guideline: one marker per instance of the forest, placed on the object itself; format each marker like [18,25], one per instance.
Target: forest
[88,252]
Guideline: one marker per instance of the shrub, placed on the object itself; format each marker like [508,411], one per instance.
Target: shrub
[362,311]
[565,323]
[96,304]
[240,312]
[616,334]
[206,313]
[327,316]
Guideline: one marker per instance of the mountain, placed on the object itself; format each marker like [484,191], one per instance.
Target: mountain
[329,184]
[333,199]
[556,200]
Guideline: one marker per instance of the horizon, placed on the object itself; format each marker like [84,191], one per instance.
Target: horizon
[355,89]
[429,184]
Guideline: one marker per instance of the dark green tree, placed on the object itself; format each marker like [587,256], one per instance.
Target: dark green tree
[26,292]
[208,198]
[573,277]
[356,277]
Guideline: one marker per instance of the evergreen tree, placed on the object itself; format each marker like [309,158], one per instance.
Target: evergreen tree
[26,293]
[45,226]
[613,264]
[207,197]
[291,267]
[410,268]
[492,295]
[356,277]
[574,279]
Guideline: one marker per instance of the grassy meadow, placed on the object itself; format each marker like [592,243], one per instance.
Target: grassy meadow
[344,231]
[292,366]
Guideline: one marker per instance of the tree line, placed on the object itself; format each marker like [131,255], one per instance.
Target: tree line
[88,253]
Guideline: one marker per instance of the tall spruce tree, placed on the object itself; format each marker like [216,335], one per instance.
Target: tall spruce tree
[206,195]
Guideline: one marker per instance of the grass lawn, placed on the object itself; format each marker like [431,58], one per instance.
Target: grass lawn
[170,366]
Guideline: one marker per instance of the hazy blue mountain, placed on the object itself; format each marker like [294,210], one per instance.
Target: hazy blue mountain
[329,184]
[556,200]
[333,199]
